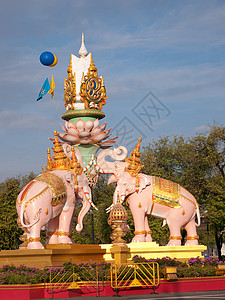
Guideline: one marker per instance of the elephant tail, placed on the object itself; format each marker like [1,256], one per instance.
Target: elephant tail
[198,215]
[36,217]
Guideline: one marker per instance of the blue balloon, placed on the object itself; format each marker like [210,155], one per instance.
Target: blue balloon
[47,58]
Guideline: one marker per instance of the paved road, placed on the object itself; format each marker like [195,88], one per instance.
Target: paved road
[168,296]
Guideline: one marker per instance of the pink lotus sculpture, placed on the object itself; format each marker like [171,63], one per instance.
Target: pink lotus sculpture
[86,133]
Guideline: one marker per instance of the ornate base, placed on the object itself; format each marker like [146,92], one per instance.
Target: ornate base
[153,250]
[56,255]
[53,255]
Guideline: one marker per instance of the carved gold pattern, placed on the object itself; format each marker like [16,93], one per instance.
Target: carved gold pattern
[165,192]
[56,185]
[92,90]
[30,240]
[70,88]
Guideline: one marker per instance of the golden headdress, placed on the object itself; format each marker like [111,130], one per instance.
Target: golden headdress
[60,160]
[134,166]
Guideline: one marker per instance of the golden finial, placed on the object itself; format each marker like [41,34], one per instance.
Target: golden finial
[134,166]
[83,51]
[75,164]
[92,70]
[69,70]
[117,219]
[70,87]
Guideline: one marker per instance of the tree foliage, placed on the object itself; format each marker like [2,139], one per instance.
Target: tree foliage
[198,164]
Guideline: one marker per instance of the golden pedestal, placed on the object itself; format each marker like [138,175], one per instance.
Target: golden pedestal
[151,250]
[119,253]
[56,255]
[53,255]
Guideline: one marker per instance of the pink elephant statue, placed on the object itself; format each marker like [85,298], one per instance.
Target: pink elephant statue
[48,201]
[150,195]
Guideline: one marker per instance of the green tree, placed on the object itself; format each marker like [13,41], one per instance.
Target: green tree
[9,229]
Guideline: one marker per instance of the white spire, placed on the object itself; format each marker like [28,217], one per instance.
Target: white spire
[83,50]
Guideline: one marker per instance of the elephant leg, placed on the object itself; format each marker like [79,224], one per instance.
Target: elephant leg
[148,232]
[34,237]
[51,231]
[65,226]
[175,235]
[192,237]
[139,224]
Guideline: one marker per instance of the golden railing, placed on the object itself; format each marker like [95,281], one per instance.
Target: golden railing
[75,277]
[91,277]
[134,275]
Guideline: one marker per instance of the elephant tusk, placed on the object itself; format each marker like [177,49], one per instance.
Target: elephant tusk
[90,201]
[108,209]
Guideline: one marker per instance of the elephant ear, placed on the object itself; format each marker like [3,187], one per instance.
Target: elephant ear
[143,181]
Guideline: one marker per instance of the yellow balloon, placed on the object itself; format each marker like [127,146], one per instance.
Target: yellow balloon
[55,61]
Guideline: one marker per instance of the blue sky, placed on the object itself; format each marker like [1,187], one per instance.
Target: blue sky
[163,64]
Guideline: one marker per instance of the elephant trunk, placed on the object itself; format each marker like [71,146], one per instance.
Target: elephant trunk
[117,154]
[85,208]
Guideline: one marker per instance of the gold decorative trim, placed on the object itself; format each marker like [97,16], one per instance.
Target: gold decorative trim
[63,233]
[195,237]
[35,197]
[148,232]
[30,240]
[194,203]
[25,192]
[51,233]
[178,238]
[140,232]
[58,233]
[83,113]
